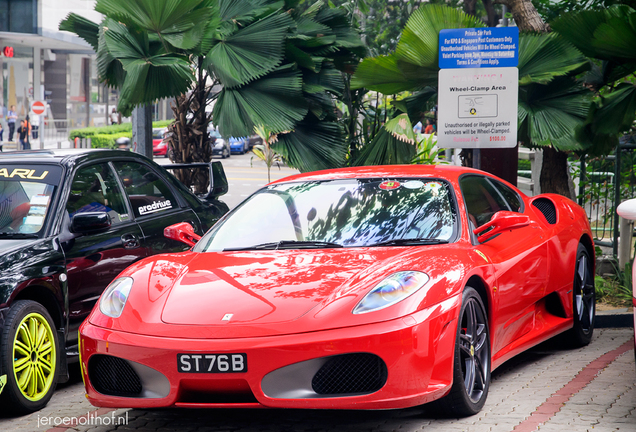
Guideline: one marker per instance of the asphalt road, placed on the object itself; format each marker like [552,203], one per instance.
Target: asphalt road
[245,173]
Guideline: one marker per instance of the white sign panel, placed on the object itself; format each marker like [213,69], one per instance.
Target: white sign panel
[477,108]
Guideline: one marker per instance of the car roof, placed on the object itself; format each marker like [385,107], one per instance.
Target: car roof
[66,157]
[449,172]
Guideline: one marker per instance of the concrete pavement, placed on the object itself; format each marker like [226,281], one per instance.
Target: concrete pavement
[549,388]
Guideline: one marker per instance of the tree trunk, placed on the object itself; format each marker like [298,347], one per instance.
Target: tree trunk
[526,16]
[470,7]
[493,18]
[554,173]
[189,140]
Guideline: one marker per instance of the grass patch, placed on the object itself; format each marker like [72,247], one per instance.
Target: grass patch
[615,290]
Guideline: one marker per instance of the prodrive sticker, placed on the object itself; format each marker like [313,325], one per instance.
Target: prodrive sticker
[155,207]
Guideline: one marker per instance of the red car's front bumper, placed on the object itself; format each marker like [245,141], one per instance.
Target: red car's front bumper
[417,350]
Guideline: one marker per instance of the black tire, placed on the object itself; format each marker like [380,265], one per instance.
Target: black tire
[584,300]
[45,356]
[471,362]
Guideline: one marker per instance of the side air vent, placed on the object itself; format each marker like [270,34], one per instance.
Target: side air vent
[545,206]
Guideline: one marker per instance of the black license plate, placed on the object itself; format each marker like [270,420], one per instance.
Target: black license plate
[212,363]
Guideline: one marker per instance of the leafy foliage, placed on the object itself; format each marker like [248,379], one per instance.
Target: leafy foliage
[608,35]
[277,66]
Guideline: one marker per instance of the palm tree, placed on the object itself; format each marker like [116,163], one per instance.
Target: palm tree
[275,67]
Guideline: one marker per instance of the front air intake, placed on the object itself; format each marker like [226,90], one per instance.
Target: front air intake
[350,373]
[546,207]
[113,376]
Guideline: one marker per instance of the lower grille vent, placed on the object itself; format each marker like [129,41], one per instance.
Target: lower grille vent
[350,373]
[113,376]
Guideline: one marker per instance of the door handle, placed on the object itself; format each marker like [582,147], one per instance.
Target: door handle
[130,241]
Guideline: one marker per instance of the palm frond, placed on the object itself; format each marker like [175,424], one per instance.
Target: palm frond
[148,79]
[581,29]
[83,27]
[251,52]
[542,57]
[123,42]
[420,38]
[618,110]
[110,69]
[313,145]
[381,74]
[275,101]
[152,15]
[401,129]
[385,149]
[550,114]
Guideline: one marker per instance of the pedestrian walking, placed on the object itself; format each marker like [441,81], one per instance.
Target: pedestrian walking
[114,117]
[23,135]
[12,116]
[1,137]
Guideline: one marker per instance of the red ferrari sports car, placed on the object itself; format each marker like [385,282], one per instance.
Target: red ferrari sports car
[371,288]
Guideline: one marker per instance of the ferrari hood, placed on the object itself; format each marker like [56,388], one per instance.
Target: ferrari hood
[258,288]
[264,293]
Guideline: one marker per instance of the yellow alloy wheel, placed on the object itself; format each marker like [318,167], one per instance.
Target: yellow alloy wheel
[34,357]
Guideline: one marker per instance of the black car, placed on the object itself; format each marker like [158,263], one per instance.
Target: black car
[70,221]
[220,146]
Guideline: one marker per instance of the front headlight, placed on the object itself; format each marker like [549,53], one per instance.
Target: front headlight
[115,295]
[391,290]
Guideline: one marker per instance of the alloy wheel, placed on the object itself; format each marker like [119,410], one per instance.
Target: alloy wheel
[473,350]
[34,357]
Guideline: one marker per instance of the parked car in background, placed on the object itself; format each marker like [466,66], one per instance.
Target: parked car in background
[358,288]
[220,146]
[159,145]
[70,222]
[255,140]
[239,145]
[627,210]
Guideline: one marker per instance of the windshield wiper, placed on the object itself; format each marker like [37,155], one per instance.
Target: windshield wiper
[410,242]
[17,235]
[289,244]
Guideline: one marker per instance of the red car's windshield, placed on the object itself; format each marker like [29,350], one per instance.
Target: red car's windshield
[347,213]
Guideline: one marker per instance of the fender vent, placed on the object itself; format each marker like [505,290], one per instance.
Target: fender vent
[113,376]
[350,373]
[546,207]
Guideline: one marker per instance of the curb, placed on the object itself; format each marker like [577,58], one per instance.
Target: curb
[614,320]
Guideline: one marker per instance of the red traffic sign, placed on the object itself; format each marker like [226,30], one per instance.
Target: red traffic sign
[38,107]
[7,51]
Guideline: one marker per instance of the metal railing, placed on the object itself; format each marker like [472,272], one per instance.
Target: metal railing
[604,182]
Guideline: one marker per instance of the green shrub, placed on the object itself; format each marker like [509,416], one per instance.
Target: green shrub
[90,132]
[107,140]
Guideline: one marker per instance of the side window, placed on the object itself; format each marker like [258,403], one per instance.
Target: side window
[95,189]
[512,198]
[481,198]
[148,193]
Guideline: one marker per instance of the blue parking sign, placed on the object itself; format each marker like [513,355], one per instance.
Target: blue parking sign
[479,47]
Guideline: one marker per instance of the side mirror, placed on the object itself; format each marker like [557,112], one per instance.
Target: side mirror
[218,183]
[182,232]
[90,222]
[501,221]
